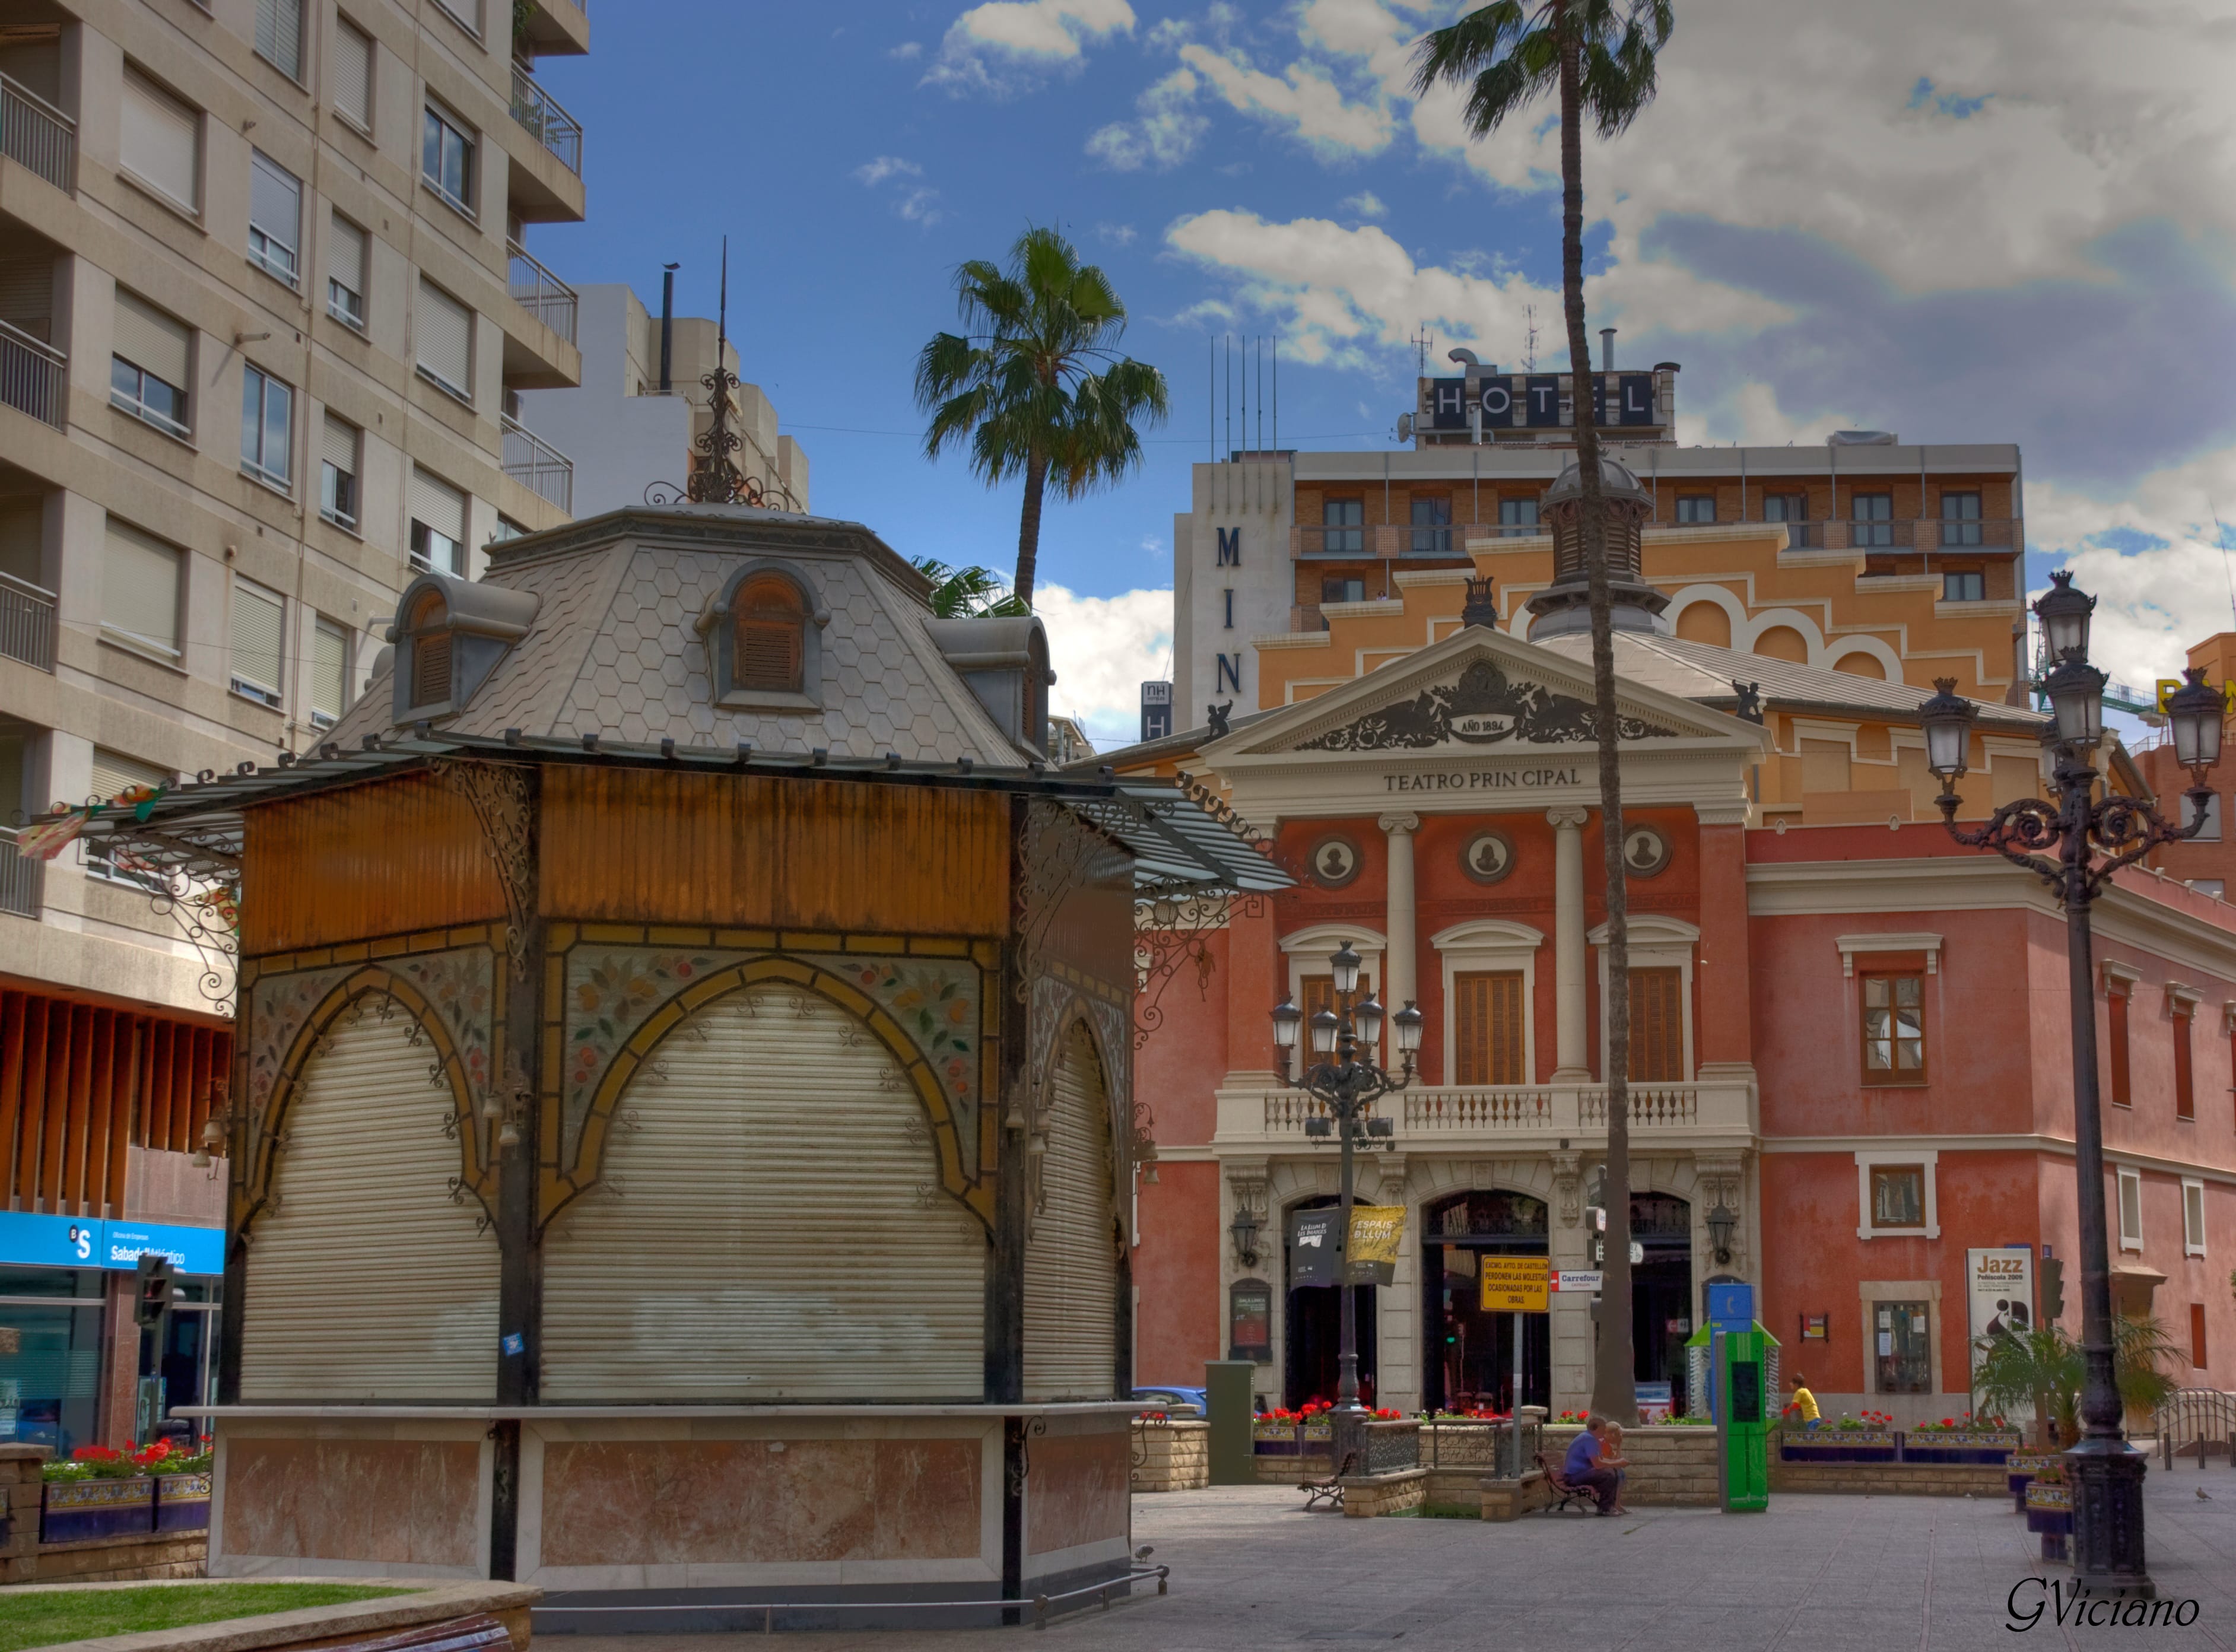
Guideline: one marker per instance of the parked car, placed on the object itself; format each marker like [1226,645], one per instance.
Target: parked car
[1178,1402]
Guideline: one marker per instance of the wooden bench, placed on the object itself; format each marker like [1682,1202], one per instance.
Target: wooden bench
[1329,1490]
[459,1634]
[1565,1490]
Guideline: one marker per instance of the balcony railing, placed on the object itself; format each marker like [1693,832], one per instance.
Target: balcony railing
[23,883]
[27,622]
[543,294]
[36,134]
[1446,1113]
[530,459]
[1472,1110]
[1932,534]
[1650,1104]
[33,375]
[1442,540]
[549,124]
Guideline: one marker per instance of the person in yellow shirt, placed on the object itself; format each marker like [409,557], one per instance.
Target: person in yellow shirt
[1804,1401]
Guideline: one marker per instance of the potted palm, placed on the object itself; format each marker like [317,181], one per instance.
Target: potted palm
[2040,1372]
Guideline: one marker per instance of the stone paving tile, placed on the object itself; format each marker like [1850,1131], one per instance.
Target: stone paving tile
[1815,1574]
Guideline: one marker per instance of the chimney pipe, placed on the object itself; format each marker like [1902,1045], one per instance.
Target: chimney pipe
[666,327]
[1606,349]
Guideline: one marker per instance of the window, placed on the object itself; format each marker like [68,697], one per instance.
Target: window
[1341,588]
[275,214]
[2131,1209]
[2210,831]
[1518,513]
[2115,1044]
[1318,994]
[767,646]
[1657,1026]
[2185,1095]
[438,524]
[267,419]
[506,529]
[280,36]
[1696,508]
[1894,1028]
[353,74]
[1872,519]
[1963,585]
[339,443]
[2199,1356]
[258,618]
[428,636]
[446,159]
[1960,519]
[1899,1195]
[446,339]
[346,280]
[329,673]
[114,775]
[1902,1347]
[1433,533]
[139,591]
[2216,887]
[1792,509]
[1486,1043]
[2193,1218]
[467,14]
[147,371]
[1341,526]
[159,143]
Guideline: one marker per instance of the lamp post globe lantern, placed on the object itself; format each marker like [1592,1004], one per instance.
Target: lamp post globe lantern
[1723,1222]
[2076,700]
[1345,963]
[2064,614]
[1367,1016]
[2195,710]
[1326,1024]
[1287,1018]
[1947,719]
[1408,1022]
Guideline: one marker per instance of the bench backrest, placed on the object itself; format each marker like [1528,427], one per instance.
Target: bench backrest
[459,1634]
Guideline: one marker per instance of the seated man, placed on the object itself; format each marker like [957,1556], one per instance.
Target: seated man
[1583,1466]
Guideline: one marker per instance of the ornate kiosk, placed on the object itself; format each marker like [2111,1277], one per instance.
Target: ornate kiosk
[683,1141]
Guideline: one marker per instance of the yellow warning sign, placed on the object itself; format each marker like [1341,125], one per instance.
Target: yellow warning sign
[1514,1284]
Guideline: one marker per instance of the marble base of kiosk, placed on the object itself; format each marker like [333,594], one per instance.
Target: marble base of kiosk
[690,1518]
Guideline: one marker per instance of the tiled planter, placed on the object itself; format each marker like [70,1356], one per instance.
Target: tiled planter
[1840,1445]
[1270,1437]
[1959,1446]
[182,1502]
[2023,1467]
[2050,1513]
[72,1511]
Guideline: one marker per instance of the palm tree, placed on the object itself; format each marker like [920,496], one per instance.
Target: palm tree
[971,593]
[2042,1371]
[1035,384]
[1598,56]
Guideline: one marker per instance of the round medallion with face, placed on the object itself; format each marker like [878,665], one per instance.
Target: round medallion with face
[1334,862]
[1645,852]
[1487,857]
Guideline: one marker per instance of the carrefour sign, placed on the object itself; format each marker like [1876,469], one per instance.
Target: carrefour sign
[1532,400]
[28,1240]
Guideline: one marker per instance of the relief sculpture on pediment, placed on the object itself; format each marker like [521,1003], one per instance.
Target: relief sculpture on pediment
[1483,708]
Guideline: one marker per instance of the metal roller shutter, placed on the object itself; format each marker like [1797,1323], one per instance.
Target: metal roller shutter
[280,34]
[770,1226]
[447,337]
[438,504]
[160,141]
[353,72]
[149,340]
[27,294]
[368,1282]
[114,773]
[1071,1260]
[140,588]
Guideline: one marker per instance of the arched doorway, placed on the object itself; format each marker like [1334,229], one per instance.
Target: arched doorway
[1469,1354]
[1661,1290]
[1313,1331]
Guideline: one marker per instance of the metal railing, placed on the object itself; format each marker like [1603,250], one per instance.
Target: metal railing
[543,294]
[549,124]
[2196,1422]
[530,459]
[1501,1109]
[23,883]
[36,134]
[33,375]
[1441,539]
[1929,533]
[27,622]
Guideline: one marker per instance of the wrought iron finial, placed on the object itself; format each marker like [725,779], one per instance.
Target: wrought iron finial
[1481,607]
[714,477]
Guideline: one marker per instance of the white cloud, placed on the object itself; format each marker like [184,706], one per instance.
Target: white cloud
[907,50]
[918,204]
[920,207]
[1115,234]
[1303,98]
[1166,135]
[1367,204]
[1024,34]
[887,166]
[1103,648]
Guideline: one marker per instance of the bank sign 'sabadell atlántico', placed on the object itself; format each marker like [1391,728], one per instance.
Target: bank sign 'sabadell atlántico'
[683,1128]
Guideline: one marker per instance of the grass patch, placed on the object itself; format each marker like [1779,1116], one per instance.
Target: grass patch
[80,1614]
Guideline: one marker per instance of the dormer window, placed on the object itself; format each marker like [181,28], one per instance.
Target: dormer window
[450,635]
[430,648]
[769,645]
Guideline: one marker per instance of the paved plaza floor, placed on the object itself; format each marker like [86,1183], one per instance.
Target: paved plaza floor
[1815,1574]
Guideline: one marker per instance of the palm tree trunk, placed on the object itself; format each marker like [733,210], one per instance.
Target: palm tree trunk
[1028,527]
[1614,1392]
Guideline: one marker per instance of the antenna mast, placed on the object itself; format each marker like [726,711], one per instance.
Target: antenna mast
[1529,354]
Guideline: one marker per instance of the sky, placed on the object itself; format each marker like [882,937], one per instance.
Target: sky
[2007,220]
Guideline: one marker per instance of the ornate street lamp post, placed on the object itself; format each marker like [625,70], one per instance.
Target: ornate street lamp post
[2075,846]
[1348,1084]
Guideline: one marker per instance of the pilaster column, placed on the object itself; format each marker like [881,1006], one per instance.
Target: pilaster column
[1398,960]
[1725,1043]
[1571,1058]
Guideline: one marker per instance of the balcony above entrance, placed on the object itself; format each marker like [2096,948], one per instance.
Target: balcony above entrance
[1509,1117]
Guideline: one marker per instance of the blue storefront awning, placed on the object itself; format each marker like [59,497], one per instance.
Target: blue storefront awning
[29,1241]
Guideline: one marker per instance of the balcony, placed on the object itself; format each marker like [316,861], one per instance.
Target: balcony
[541,468]
[543,294]
[549,124]
[23,883]
[33,375]
[1531,1115]
[27,622]
[37,135]
[1932,534]
[1440,541]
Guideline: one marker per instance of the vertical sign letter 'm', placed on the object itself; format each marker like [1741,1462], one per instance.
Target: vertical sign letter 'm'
[1230,547]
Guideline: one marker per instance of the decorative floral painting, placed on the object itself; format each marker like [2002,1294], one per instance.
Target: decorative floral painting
[462,988]
[610,993]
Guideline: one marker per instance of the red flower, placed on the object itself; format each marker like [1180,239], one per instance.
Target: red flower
[683,971]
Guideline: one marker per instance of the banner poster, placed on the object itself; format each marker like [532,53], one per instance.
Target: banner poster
[1999,1292]
[1376,1231]
[1315,1245]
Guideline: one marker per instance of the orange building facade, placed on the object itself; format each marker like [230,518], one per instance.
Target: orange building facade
[1852,1033]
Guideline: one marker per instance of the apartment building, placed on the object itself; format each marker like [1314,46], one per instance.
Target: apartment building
[266,309]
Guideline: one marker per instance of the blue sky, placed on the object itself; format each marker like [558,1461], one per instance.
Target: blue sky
[2006,222]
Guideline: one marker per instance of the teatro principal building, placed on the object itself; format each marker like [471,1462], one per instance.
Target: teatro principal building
[1850,1063]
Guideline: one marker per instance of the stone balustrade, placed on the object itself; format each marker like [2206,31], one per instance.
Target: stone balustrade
[1524,1117]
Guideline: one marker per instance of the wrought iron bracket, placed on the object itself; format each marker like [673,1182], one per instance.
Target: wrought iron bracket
[2060,843]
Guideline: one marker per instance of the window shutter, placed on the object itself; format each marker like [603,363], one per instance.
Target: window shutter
[140,588]
[329,669]
[768,645]
[1487,1027]
[275,202]
[1506,1044]
[338,445]
[150,340]
[345,254]
[430,668]
[27,294]
[353,73]
[160,141]
[447,337]
[114,773]
[280,36]
[438,504]
[1657,1026]
[258,617]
